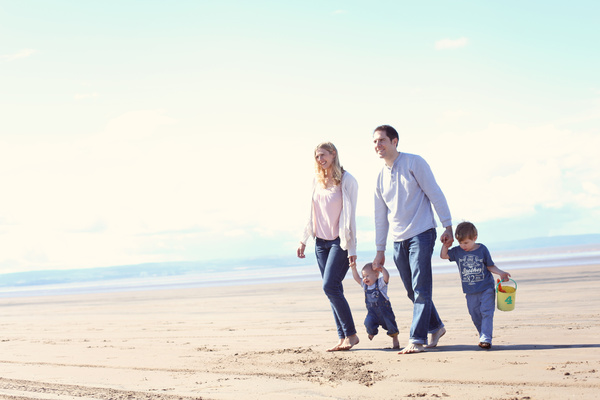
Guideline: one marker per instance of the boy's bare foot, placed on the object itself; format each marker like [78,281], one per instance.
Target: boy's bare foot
[371,337]
[395,342]
[412,348]
[435,337]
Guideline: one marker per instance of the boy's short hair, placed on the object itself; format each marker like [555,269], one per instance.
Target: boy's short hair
[465,230]
[368,267]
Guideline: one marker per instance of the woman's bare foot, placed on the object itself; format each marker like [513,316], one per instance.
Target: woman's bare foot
[346,343]
[338,346]
[412,348]
[371,337]
[435,337]
[395,342]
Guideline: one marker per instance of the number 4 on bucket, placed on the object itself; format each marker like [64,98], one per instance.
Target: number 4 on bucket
[506,296]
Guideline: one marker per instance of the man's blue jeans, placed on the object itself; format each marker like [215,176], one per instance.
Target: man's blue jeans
[333,263]
[413,260]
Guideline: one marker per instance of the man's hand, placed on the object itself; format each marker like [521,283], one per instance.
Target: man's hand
[379,261]
[447,237]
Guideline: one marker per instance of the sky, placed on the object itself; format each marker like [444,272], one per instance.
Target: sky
[158,131]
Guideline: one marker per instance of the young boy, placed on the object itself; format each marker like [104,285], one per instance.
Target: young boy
[476,267]
[379,309]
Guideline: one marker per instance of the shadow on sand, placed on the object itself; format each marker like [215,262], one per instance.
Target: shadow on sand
[514,347]
[500,347]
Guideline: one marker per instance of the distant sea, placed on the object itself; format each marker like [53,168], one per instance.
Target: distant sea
[548,252]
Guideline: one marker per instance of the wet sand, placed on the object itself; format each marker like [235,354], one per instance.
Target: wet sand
[268,342]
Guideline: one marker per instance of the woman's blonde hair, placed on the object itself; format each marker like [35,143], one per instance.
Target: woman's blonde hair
[336,169]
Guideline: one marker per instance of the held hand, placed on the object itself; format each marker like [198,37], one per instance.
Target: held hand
[379,261]
[446,237]
[352,261]
[301,250]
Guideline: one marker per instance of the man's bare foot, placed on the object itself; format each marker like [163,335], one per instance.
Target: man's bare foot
[338,346]
[350,342]
[395,342]
[435,337]
[412,348]
[371,337]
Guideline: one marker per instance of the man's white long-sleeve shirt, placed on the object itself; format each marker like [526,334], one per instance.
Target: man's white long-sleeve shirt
[403,197]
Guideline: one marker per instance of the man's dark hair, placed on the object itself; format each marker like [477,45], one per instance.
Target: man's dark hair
[389,132]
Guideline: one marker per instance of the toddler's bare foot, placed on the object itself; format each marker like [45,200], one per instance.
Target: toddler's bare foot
[371,337]
[337,347]
[395,342]
[435,337]
[412,348]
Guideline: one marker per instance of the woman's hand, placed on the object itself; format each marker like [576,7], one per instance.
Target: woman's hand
[301,250]
[352,260]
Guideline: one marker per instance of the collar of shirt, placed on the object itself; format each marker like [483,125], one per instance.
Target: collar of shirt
[394,163]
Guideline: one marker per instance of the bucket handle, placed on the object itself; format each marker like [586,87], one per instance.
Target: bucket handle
[506,281]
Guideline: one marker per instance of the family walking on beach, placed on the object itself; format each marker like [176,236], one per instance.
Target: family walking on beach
[405,192]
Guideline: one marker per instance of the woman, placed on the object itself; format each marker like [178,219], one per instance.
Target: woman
[332,222]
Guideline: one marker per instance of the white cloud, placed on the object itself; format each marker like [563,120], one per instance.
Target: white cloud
[456,114]
[507,171]
[337,12]
[585,115]
[235,233]
[451,43]
[146,190]
[591,188]
[83,96]
[149,188]
[81,203]
[24,53]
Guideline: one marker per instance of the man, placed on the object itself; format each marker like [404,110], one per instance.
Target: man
[405,191]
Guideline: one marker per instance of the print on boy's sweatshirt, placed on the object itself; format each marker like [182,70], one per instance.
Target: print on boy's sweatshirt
[473,268]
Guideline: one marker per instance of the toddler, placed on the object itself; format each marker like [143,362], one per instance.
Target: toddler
[379,309]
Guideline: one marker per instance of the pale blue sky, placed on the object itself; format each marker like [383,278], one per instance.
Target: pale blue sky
[152,131]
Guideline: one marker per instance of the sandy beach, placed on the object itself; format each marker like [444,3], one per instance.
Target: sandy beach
[268,342]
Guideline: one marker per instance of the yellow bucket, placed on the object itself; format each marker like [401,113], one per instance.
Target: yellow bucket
[506,300]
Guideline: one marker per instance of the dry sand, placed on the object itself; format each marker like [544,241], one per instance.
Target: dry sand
[268,342]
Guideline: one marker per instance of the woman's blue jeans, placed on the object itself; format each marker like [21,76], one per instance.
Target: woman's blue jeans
[333,263]
[413,260]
